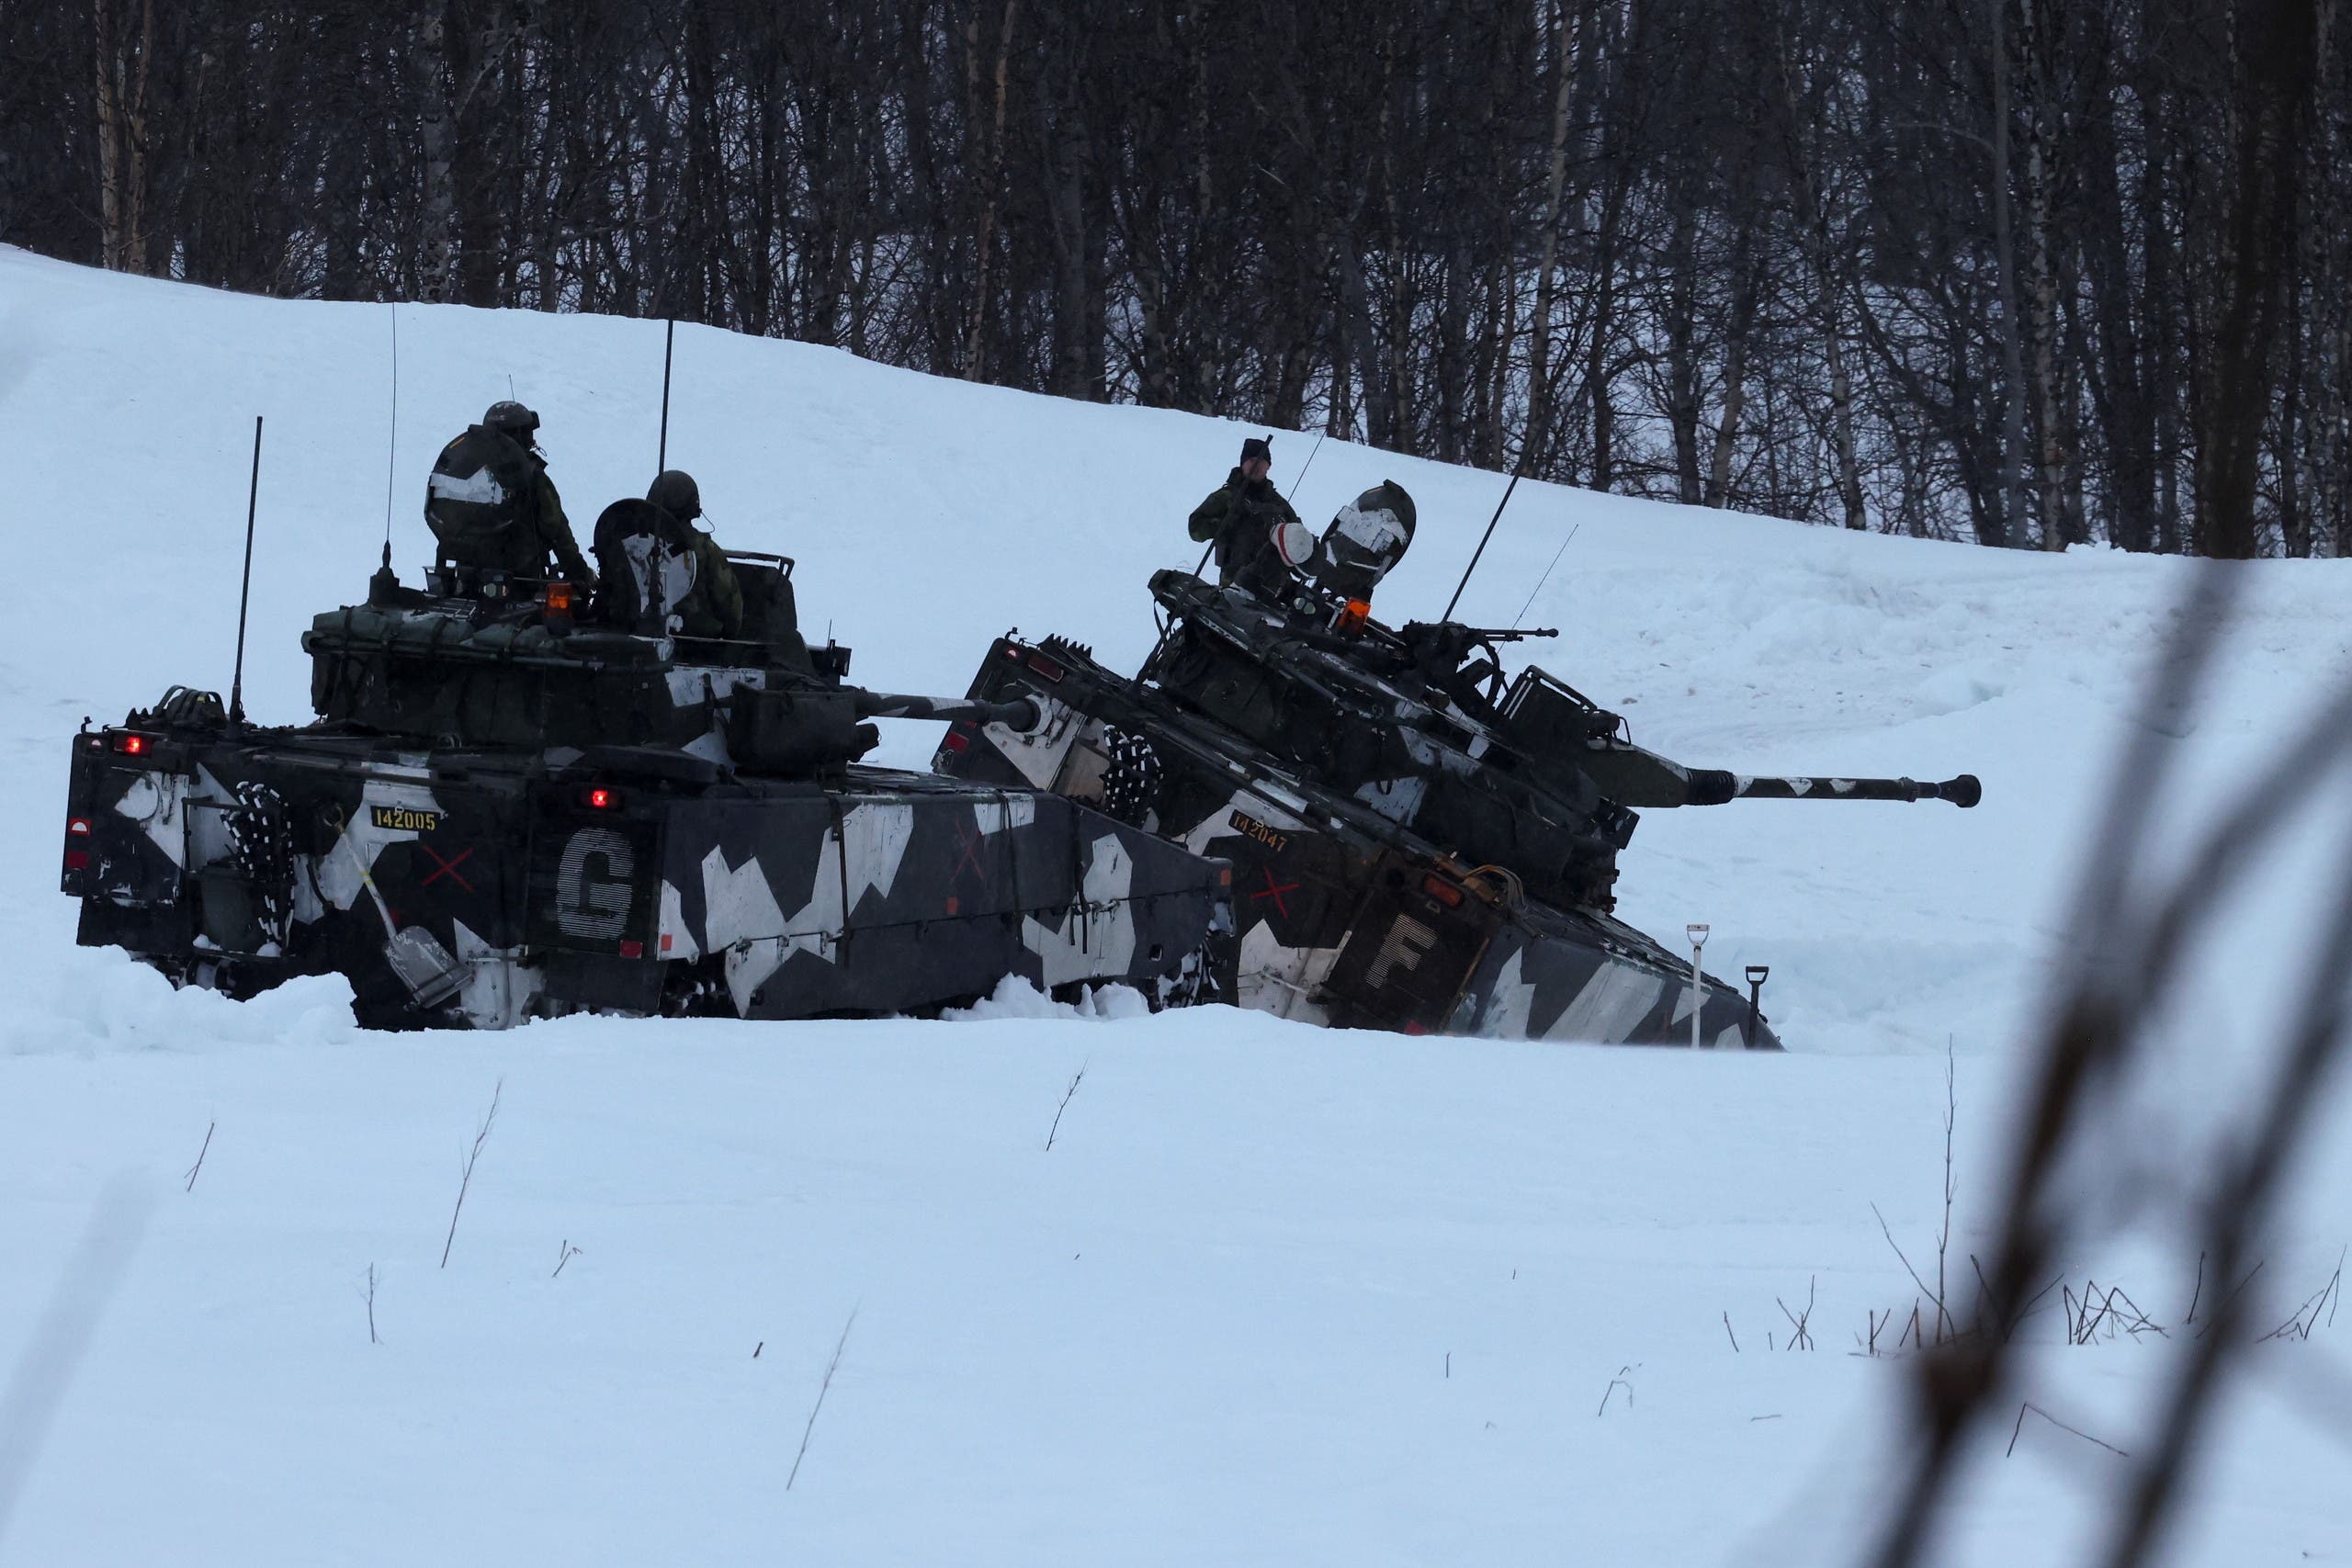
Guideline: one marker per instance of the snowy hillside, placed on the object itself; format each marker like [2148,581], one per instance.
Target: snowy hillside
[1274,1295]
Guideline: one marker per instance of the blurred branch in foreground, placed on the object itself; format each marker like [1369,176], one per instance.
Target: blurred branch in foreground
[2141,910]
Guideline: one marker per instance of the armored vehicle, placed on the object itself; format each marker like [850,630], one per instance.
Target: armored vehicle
[1419,843]
[516,804]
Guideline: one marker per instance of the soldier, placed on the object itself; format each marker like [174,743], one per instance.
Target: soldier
[1240,516]
[493,506]
[714,606]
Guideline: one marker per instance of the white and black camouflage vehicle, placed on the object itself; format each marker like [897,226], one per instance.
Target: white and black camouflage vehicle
[512,807]
[1417,843]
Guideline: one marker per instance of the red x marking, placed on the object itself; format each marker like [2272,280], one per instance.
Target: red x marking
[448,868]
[968,838]
[1274,892]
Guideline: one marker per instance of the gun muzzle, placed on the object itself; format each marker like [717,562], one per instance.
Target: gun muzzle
[1019,713]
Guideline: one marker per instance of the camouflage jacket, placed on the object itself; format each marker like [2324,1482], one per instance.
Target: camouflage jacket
[549,532]
[1239,515]
[714,606]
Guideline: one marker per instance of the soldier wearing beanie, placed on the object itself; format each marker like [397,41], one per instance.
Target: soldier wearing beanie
[1240,515]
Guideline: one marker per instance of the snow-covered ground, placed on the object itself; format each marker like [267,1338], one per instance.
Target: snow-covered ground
[1274,1295]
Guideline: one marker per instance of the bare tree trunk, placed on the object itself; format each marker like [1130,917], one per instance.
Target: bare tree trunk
[1534,443]
[2272,83]
[1745,286]
[430,62]
[1682,411]
[992,188]
[2012,488]
[2050,467]
[120,102]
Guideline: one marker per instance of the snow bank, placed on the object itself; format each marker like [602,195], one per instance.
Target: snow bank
[1275,1295]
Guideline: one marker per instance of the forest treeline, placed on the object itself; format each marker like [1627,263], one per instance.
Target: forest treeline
[2018,271]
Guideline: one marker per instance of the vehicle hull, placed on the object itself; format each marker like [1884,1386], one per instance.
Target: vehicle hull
[1342,915]
[483,889]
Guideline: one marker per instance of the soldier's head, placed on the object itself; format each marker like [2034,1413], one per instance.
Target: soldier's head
[676,492]
[515,422]
[1257,456]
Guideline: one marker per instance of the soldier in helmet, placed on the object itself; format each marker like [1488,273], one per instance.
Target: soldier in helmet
[713,607]
[493,506]
[1240,516]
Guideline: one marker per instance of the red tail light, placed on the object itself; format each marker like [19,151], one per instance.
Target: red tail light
[130,745]
[956,741]
[632,950]
[78,825]
[77,860]
[1044,667]
[1444,892]
[601,799]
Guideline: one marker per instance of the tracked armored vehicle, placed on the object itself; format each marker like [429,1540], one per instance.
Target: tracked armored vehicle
[512,806]
[1419,844]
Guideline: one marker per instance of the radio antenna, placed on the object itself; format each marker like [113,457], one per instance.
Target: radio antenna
[246,588]
[1489,533]
[1296,482]
[1545,578]
[392,451]
[669,341]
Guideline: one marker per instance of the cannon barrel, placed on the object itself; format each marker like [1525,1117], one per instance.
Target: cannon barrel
[1020,711]
[1715,786]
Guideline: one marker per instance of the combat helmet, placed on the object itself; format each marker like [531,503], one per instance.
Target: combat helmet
[511,420]
[676,492]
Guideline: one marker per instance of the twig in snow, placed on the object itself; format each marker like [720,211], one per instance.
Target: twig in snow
[199,1156]
[1730,1335]
[2197,1293]
[1614,1384]
[1075,1079]
[2306,1317]
[830,1368]
[2038,1410]
[2222,1312]
[1801,1339]
[564,1256]
[371,1306]
[1885,1230]
[466,1177]
[1943,1238]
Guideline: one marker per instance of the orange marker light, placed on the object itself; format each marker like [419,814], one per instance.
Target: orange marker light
[560,598]
[1353,613]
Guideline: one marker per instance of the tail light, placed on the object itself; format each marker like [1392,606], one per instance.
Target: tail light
[558,598]
[77,825]
[1444,892]
[130,745]
[1045,669]
[600,797]
[957,740]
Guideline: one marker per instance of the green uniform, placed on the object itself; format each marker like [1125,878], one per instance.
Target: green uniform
[543,531]
[1239,515]
[714,606]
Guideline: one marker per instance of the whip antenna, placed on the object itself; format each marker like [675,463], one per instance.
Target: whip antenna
[1489,533]
[392,452]
[246,588]
[1545,578]
[1303,467]
[669,341]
